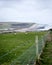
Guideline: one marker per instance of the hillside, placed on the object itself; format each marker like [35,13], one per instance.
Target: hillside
[15,25]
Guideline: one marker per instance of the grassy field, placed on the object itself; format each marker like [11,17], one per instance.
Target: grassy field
[47,54]
[18,48]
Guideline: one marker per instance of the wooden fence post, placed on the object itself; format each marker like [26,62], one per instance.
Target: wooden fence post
[37,52]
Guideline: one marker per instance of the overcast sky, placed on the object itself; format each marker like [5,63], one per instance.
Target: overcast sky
[38,11]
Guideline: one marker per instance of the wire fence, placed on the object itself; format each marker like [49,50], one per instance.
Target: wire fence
[40,44]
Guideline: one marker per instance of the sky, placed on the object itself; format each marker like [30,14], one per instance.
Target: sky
[35,11]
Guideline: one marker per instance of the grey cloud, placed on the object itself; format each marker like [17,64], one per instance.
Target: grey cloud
[26,10]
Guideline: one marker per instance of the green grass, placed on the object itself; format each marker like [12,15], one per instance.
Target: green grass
[18,49]
[47,55]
